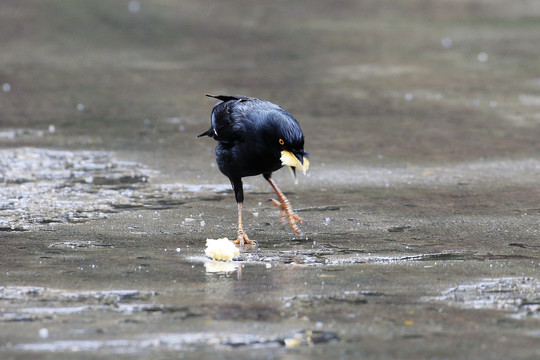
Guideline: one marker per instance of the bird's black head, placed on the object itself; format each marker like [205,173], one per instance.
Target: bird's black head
[283,133]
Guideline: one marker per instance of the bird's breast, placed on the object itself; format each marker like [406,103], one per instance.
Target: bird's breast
[244,159]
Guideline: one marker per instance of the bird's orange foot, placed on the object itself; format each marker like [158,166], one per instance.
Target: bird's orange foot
[287,213]
[243,239]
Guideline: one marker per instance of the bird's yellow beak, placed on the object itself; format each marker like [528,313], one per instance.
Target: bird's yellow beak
[288,158]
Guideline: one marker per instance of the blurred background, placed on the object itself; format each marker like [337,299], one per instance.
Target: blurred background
[371,82]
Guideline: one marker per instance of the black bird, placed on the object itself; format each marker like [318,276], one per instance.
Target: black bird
[256,137]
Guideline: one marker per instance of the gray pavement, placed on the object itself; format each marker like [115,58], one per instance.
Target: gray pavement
[421,208]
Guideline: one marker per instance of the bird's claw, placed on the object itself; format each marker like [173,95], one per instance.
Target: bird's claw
[243,239]
[287,213]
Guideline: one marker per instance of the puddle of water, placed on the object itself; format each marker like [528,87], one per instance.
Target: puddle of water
[45,186]
[221,267]
[26,293]
[56,310]
[520,297]
[183,341]
[12,134]
[42,187]
[127,305]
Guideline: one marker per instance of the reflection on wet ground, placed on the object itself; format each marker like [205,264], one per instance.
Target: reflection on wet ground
[421,207]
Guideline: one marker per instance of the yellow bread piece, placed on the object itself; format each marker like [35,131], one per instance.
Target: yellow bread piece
[221,249]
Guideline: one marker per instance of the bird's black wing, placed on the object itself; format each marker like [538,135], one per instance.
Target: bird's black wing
[227,118]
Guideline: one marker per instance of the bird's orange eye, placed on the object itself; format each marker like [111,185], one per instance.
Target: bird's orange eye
[281,142]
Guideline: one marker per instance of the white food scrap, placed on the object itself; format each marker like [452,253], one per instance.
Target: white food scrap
[221,249]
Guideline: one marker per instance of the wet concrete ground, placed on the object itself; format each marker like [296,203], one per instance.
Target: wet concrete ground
[421,207]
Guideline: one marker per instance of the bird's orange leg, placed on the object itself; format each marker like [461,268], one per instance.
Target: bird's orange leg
[287,212]
[242,236]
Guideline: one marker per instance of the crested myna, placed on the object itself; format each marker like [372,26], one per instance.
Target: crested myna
[256,137]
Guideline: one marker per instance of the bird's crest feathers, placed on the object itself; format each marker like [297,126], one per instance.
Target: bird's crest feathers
[231,97]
